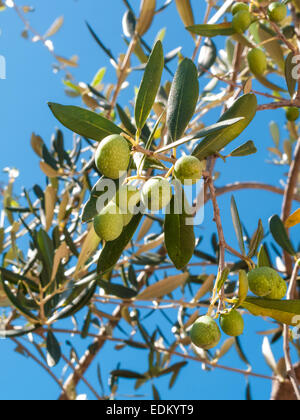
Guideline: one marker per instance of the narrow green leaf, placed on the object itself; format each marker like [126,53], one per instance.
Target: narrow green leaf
[156,396]
[246,107]
[112,251]
[263,259]
[150,85]
[117,290]
[243,287]
[179,237]
[53,350]
[273,48]
[237,225]
[244,150]
[280,235]
[265,82]
[290,80]
[210,31]
[223,278]
[212,129]
[207,57]
[20,332]
[183,99]
[127,374]
[16,303]
[283,311]
[275,133]
[83,122]
[256,240]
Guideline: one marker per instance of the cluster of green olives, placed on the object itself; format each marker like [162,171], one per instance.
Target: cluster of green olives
[263,282]
[242,17]
[112,160]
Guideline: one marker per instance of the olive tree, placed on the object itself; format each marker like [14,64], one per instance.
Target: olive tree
[110,241]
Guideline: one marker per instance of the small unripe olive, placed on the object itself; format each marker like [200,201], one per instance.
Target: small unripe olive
[205,333]
[279,289]
[109,223]
[260,281]
[264,281]
[189,169]
[292,113]
[156,193]
[237,7]
[289,31]
[277,12]
[127,198]
[257,61]
[241,21]
[113,156]
[232,324]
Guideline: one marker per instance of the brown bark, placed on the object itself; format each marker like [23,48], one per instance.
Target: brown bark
[283,391]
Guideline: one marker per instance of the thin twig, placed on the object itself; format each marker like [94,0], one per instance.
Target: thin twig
[286,336]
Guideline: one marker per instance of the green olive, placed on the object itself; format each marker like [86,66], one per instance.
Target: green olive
[205,333]
[292,113]
[189,169]
[113,156]
[266,282]
[257,61]
[241,21]
[156,194]
[237,7]
[109,223]
[277,12]
[232,323]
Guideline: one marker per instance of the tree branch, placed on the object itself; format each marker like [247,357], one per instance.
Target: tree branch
[288,198]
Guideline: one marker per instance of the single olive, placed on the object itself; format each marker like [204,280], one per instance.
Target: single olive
[113,156]
[189,169]
[257,61]
[109,223]
[277,12]
[292,113]
[232,323]
[205,333]
[156,193]
[241,21]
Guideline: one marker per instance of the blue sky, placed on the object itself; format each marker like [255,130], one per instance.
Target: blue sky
[30,84]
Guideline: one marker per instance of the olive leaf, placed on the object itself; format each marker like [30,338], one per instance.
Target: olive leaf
[280,235]
[210,30]
[263,259]
[273,48]
[207,56]
[183,99]
[149,86]
[237,225]
[293,219]
[117,290]
[275,133]
[290,80]
[83,122]
[223,278]
[243,287]
[212,129]
[244,150]
[246,107]
[179,236]
[163,287]
[256,240]
[185,11]
[283,311]
[53,350]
